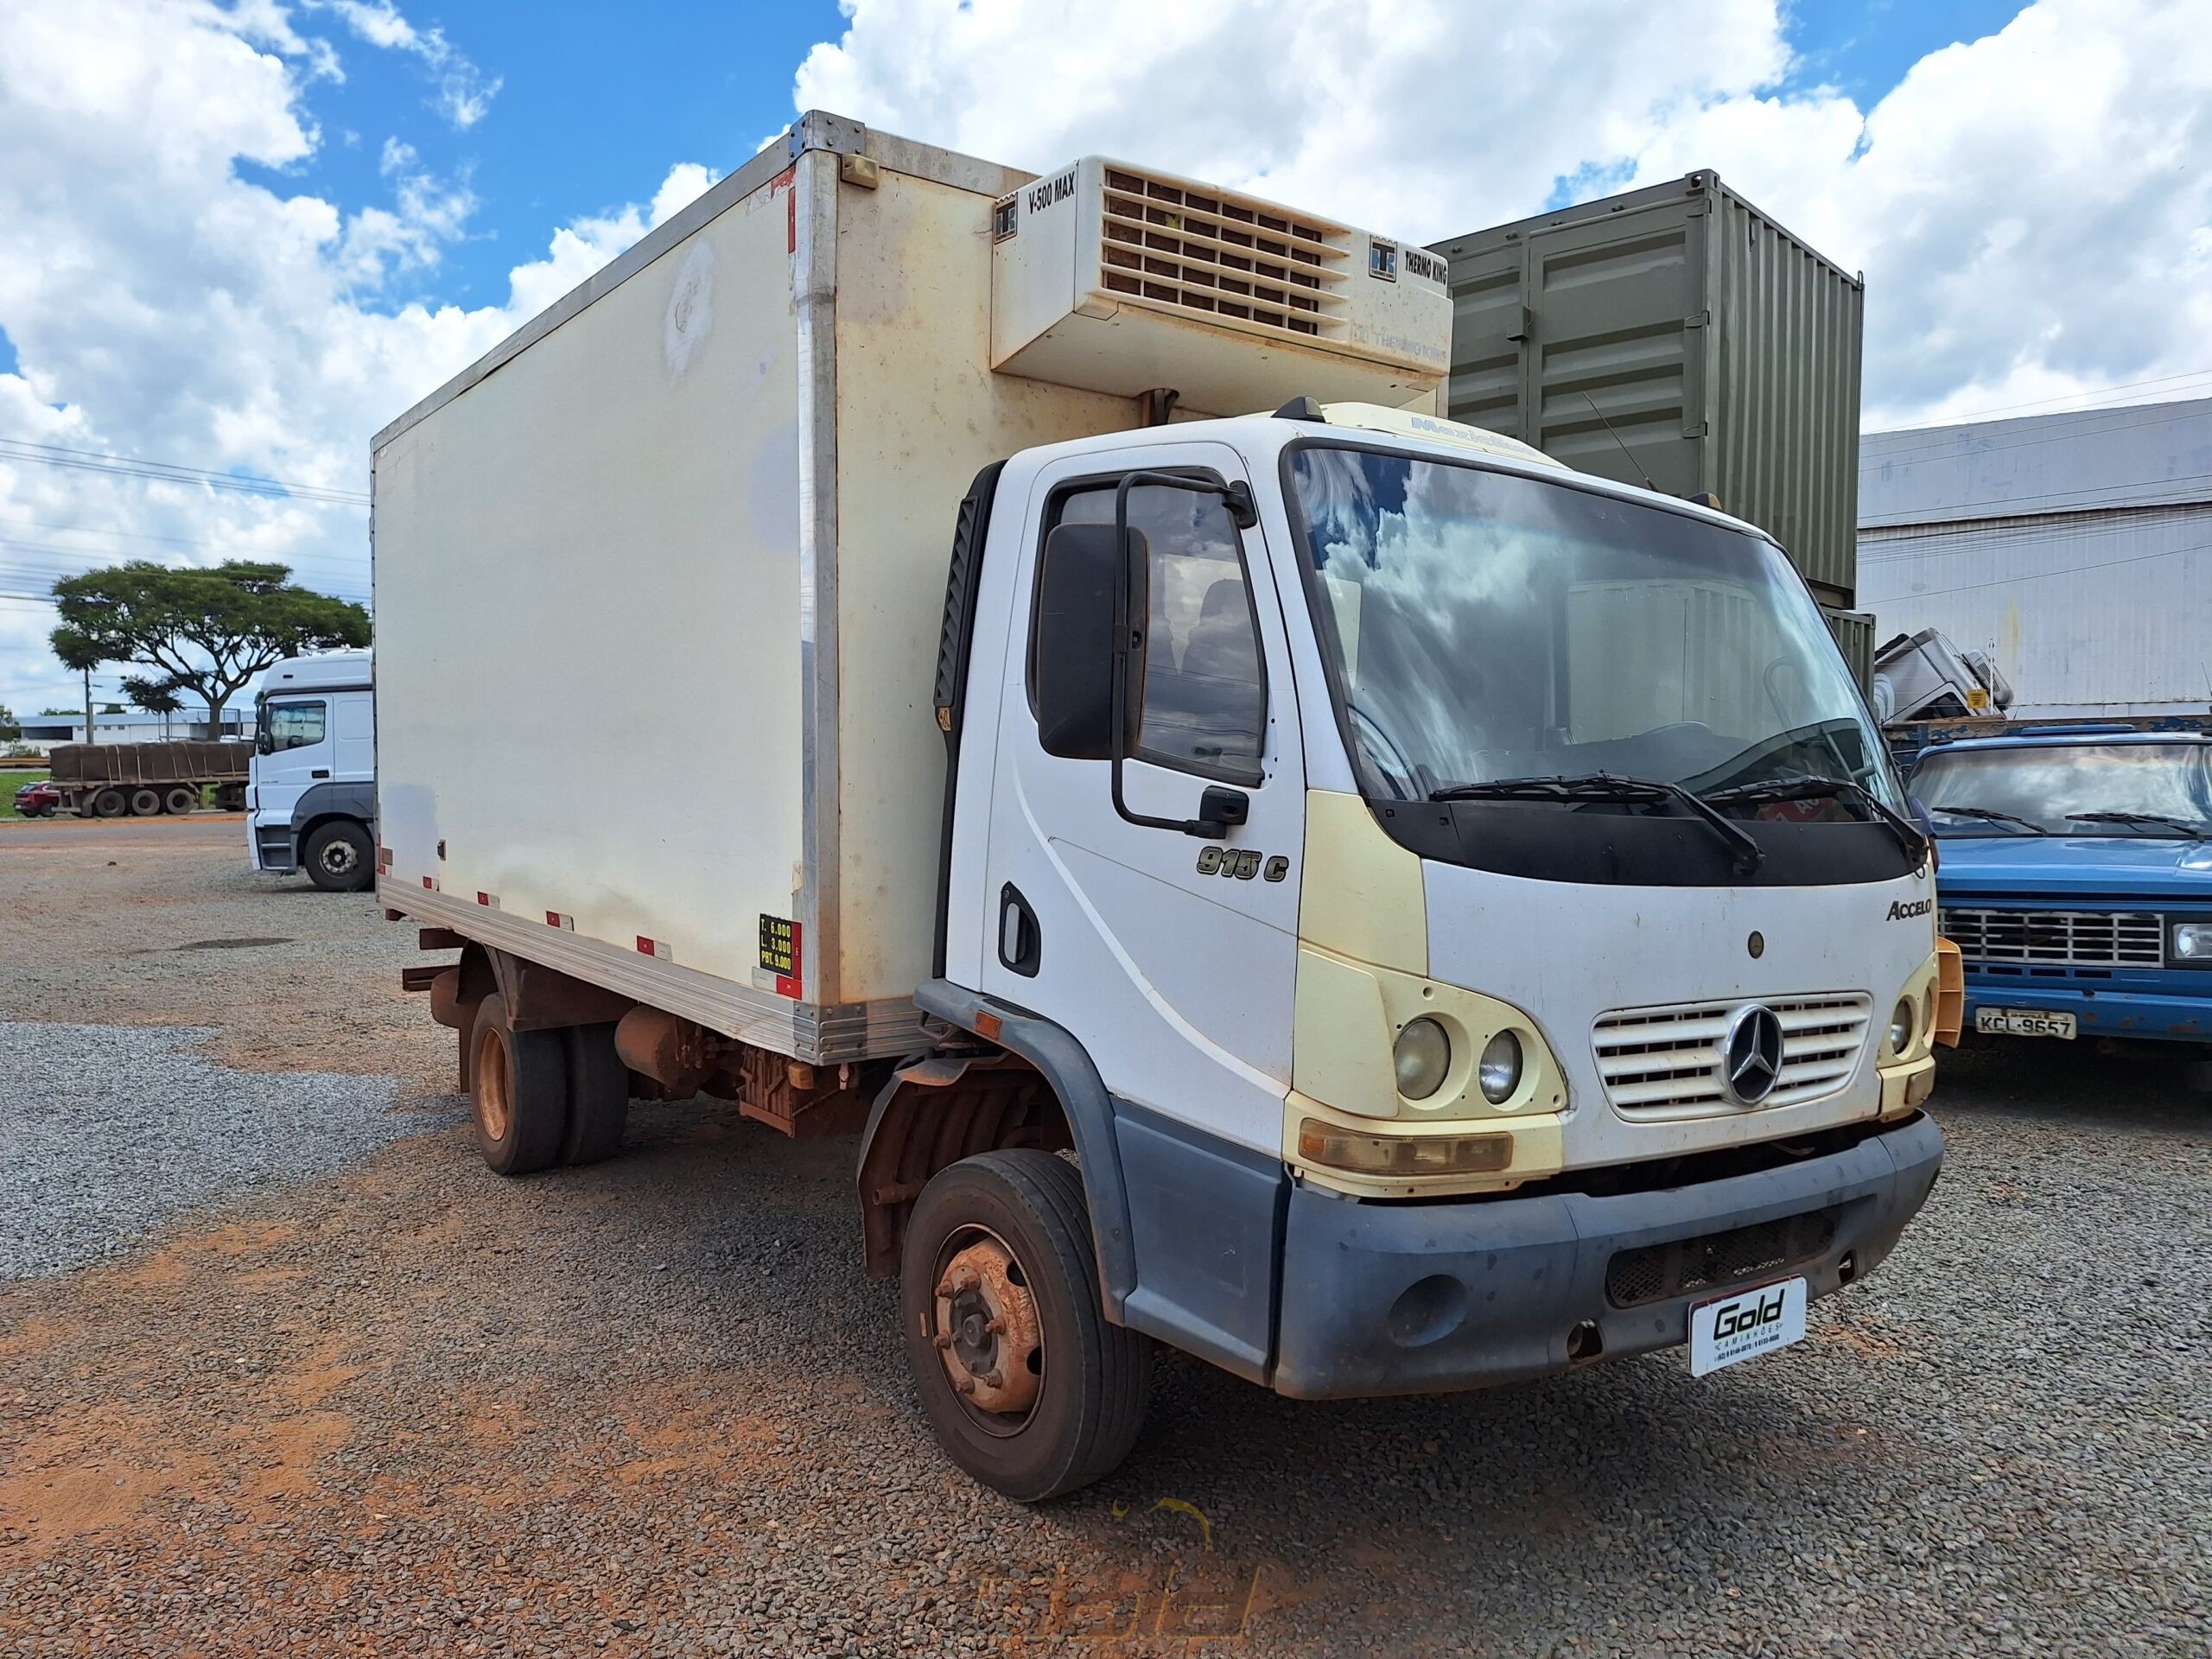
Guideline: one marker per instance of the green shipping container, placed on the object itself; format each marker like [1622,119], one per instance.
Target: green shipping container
[1722,352]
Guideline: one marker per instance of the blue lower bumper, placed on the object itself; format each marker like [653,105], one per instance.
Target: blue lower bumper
[2130,1014]
[1380,1298]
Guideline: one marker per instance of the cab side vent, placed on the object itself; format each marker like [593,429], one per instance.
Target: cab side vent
[1215,254]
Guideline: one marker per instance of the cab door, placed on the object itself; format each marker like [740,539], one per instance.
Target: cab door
[1172,957]
[300,752]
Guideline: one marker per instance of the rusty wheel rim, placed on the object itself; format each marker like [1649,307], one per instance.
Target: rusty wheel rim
[986,1331]
[494,1101]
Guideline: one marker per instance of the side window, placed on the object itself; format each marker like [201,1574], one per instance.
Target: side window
[295,725]
[1204,703]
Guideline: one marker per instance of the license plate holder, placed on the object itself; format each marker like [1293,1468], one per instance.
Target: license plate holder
[2025,1022]
[1746,1324]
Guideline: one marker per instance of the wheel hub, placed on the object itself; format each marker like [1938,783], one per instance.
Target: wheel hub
[986,1330]
[338,858]
[492,1107]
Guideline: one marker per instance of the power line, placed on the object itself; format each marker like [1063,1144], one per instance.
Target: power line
[97,460]
[2057,435]
[2038,575]
[2070,397]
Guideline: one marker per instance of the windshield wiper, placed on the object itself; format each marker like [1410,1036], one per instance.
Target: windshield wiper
[2193,831]
[1747,854]
[1990,815]
[1908,834]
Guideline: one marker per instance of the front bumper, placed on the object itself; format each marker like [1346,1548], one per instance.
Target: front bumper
[2108,1012]
[1380,1298]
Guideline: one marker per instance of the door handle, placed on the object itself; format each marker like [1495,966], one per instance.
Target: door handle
[320,772]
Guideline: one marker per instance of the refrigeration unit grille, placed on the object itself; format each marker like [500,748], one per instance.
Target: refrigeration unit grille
[1208,254]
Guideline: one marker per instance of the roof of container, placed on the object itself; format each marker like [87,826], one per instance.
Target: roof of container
[1703,182]
[2140,455]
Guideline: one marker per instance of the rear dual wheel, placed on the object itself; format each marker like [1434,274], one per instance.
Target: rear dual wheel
[1029,1388]
[543,1097]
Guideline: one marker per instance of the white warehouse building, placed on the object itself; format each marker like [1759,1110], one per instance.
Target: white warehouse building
[2075,549]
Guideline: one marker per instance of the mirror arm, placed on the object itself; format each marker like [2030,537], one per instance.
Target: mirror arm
[1244,514]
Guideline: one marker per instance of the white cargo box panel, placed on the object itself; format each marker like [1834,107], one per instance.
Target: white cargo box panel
[1121,279]
[658,588]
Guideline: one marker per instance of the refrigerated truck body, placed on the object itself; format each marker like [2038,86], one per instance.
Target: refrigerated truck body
[1255,895]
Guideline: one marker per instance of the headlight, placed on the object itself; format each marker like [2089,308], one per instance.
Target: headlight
[1498,1073]
[1901,1023]
[1422,1056]
[2192,941]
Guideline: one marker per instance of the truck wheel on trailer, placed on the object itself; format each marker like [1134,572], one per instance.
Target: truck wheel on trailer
[518,1091]
[338,857]
[1027,1386]
[109,804]
[145,803]
[181,799]
[599,1095]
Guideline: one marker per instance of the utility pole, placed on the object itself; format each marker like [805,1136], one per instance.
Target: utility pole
[90,735]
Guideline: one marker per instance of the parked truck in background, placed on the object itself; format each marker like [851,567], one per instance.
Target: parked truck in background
[143,780]
[311,804]
[1334,891]
[2077,876]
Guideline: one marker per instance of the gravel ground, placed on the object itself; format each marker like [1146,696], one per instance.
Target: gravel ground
[653,1408]
[68,1196]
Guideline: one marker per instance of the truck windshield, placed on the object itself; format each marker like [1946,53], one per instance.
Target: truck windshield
[1489,627]
[2070,789]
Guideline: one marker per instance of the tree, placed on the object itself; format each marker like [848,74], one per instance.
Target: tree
[10,730]
[207,631]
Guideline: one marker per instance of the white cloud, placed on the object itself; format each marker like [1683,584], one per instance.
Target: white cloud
[2033,210]
[160,306]
[464,97]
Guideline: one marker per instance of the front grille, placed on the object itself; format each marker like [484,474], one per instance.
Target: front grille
[1665,1062]
[1654,1273]
[1205,250]
[2063,938]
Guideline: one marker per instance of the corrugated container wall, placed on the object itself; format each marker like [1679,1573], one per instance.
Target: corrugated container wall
[2075,547]
[1675,334]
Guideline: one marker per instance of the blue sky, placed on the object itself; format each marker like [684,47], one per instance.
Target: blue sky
[593,106]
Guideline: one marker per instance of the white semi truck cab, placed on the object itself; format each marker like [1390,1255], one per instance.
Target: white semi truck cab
[311,803]
[1328,889]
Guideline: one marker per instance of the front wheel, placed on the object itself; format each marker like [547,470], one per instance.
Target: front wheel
[1028,1387]
[338,857]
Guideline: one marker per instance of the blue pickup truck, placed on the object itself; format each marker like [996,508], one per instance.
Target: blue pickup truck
[2076,879]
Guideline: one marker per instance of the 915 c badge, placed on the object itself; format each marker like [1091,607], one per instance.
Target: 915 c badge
[1240,866]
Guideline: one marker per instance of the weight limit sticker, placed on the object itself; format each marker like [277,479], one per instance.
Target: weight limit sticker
[781,957]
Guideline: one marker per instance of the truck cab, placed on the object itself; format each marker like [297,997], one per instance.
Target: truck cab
[311,803]
[1474,896]
[2077,881]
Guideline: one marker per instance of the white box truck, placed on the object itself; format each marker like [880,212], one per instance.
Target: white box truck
[1331,890]
[311,801]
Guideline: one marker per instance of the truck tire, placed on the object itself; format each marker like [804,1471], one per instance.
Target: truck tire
[145,803]
[109,804]
[518,1093]
[1028,1387]
[181,800]
[598,1095]
[337,857]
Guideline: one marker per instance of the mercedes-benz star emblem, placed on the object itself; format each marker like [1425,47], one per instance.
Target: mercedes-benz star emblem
[1751,1055]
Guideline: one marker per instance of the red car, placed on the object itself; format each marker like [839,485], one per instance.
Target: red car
[38,800]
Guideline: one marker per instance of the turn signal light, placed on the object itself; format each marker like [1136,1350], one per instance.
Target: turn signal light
[1402,1155]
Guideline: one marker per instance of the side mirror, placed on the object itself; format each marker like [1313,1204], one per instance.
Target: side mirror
[264,744]
[1084,573]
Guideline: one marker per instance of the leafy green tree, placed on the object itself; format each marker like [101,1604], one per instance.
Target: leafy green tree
[10,729]
[207,631]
